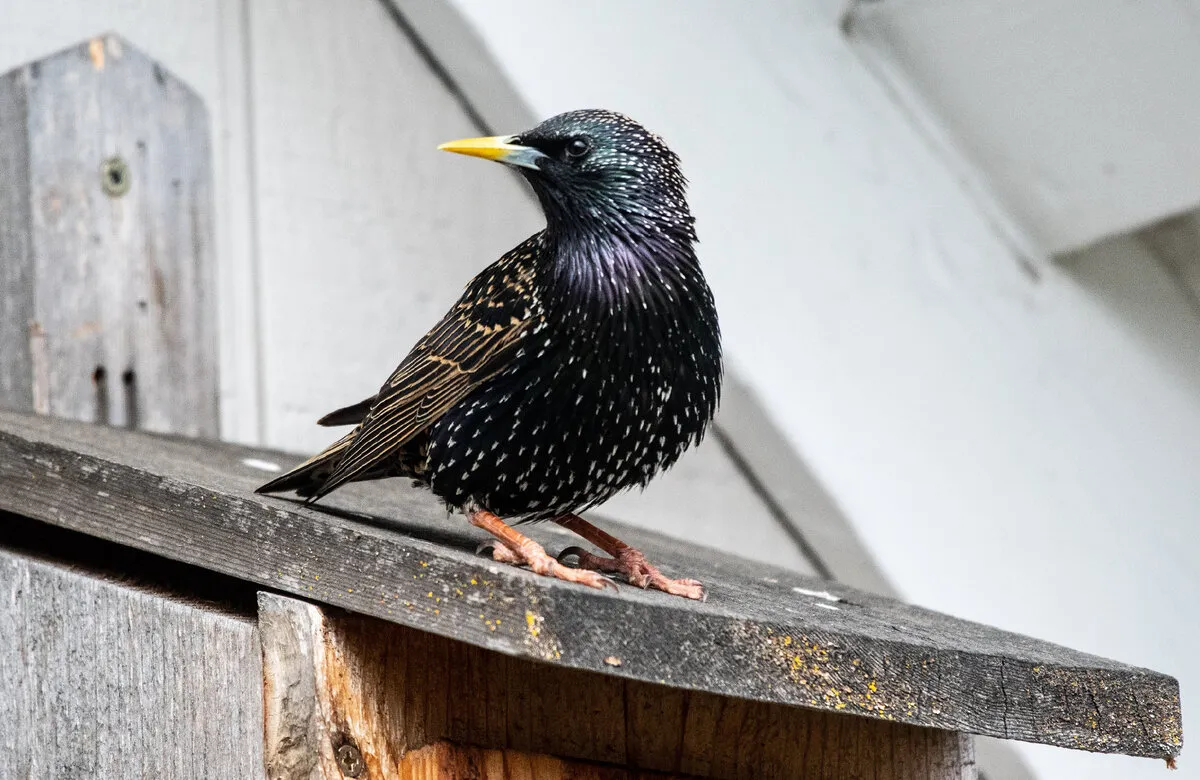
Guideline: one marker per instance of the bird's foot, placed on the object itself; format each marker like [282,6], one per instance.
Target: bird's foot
[633,565]
[541,562]
[625,560]
[513,547]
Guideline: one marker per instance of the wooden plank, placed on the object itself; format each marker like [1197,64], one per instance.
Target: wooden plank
[370,697]
[239,295]
[117,262]
[101,679]
[16,247]
[298,738]
[765,634]
[446,761]
[203,44]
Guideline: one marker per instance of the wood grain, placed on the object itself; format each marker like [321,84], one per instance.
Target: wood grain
[101,679]
[16,247]
[115,288]
[764,634]
[336,680]
[446,761]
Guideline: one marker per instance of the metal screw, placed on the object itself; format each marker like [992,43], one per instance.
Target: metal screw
[115,177]
[349,760]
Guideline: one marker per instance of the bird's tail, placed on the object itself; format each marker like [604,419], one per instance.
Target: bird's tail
[307,478]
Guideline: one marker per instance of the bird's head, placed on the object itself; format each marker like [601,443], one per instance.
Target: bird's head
[596,171]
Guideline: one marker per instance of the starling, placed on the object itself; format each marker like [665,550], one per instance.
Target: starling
[580,364]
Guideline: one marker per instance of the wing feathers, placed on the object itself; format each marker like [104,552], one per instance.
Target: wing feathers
[476,339]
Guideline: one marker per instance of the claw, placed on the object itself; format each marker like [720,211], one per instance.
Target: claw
[625,560]
[588,560]
[637,570]
[571,552]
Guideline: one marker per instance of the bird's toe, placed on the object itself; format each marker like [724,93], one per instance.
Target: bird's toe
[632,564]
[540,562]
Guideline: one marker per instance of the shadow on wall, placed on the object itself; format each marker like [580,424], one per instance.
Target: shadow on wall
[1150,280]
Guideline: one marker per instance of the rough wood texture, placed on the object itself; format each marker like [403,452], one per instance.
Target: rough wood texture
[446,761]
[100,679]
[764,634]
[106,311]
[372,692]
[300,734]
[16,249]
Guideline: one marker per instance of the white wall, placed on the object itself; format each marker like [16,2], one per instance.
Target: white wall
[1081,112]
[1018,441]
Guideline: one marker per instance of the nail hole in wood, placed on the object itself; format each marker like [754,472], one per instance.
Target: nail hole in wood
[100,381]
[115,178]
[129,380]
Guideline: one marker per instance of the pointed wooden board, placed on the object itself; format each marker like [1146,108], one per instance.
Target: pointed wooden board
[764,634]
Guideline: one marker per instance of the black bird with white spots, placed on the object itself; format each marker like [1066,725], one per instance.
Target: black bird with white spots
[582,363]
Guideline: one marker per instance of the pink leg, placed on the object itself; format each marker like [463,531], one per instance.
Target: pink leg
[517,549]
[625,560]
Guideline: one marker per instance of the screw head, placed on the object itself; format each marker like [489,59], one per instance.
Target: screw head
[350,760]
[115,177]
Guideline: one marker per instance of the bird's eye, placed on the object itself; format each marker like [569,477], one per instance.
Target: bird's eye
[578,147]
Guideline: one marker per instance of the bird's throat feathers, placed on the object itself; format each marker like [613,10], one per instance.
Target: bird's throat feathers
[634,271]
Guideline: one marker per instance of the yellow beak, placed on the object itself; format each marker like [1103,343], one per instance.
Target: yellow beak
[498,147]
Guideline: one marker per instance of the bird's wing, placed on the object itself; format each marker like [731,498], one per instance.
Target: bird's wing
[474,341]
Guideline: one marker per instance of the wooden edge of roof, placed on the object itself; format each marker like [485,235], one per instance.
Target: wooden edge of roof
[765,634]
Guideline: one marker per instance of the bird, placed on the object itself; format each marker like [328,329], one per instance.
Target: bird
[580,364]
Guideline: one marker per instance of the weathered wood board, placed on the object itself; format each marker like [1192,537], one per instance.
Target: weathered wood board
[445,761]
[764,634]
[103,679]
[349,690]
[106,309]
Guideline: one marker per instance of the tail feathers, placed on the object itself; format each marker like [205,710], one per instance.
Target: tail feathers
[348,415]
[308,478]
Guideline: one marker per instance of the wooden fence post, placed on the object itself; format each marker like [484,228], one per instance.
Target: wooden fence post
[107,299]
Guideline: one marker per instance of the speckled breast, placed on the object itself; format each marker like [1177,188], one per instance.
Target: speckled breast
[572,423]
